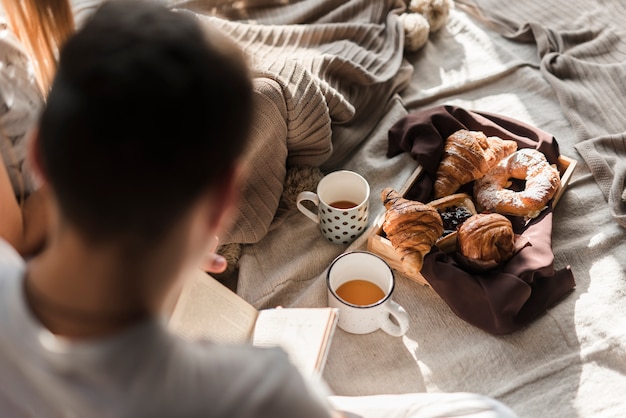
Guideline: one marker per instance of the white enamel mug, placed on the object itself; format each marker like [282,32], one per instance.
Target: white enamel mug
[342,205]
[383,314]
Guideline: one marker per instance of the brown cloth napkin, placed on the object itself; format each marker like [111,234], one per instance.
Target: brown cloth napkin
[509,297]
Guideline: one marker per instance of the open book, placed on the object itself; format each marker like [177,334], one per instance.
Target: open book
[206,309]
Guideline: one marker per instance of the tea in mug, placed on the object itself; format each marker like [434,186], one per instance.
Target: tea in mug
[344,204]
[360,292]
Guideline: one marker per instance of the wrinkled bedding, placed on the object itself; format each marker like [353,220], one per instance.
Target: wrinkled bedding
[559,67]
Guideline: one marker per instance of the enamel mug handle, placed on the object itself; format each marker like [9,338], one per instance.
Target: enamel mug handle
[400,315]
[310,196]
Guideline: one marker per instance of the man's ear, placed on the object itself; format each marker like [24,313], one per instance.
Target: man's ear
[225,195]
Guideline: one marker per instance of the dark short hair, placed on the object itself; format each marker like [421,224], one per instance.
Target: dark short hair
[147,111]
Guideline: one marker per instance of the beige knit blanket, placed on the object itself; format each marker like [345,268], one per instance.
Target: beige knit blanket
[320,88]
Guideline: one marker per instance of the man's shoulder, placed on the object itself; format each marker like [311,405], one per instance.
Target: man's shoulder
[239,356]
[239,380]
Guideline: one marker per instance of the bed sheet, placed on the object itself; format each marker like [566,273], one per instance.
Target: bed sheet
[570,361]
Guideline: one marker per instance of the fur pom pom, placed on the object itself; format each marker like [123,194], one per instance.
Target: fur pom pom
[416,31]
[435,11]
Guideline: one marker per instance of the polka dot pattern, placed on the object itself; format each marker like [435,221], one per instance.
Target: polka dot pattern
[342,226]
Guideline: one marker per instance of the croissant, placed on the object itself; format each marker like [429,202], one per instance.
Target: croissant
[467,156]
[412,227]
[486,237]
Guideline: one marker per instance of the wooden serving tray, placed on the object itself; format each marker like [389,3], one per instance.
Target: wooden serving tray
[377,242]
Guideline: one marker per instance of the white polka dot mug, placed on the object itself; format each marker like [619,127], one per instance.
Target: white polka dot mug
[360,285]
[342,205]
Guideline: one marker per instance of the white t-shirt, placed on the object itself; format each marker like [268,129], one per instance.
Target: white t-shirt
[142,372]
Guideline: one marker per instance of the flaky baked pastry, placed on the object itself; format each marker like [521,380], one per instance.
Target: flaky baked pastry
[467,156]
[486,237]
[541,182]
[412,228]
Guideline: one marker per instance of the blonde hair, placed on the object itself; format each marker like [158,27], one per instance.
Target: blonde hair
[42,26]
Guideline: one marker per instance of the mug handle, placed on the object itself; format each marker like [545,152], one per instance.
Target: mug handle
[400,315]
[302,196]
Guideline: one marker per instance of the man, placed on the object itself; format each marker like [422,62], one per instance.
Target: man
[139,143]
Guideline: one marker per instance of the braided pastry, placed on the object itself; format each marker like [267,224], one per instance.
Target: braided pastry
[412,227]
[467,156]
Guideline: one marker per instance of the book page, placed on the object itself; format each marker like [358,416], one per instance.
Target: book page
[304,333]
[206,309]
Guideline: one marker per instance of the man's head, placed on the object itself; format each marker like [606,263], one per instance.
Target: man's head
[147,112]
